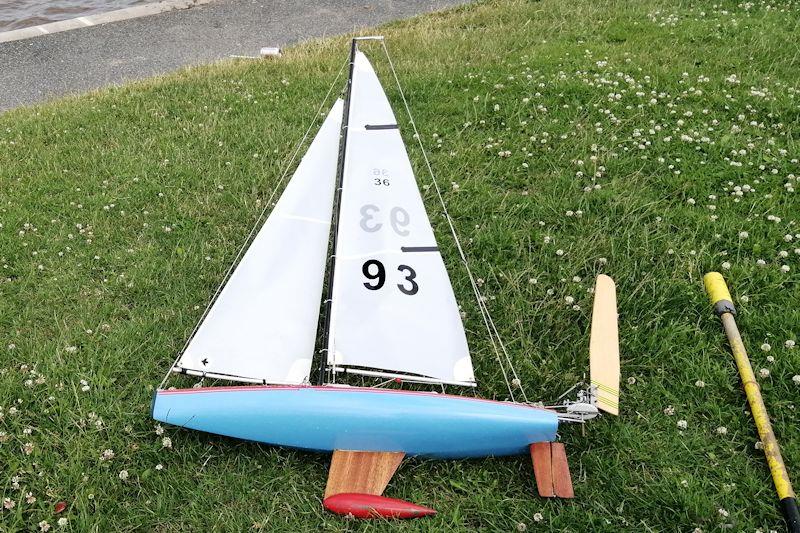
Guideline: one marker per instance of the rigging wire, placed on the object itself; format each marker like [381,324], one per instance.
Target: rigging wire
[487,317]
[256,225]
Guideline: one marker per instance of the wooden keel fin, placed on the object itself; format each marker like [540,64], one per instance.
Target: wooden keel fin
[361,472]
[551,470]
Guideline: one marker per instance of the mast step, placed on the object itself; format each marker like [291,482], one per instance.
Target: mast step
[551,470]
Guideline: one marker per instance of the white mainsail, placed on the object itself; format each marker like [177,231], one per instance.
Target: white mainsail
[262,327]
[393,307]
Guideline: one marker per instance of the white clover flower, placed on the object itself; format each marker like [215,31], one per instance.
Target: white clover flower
[166,442]
[107,455]
[790,344]
[569,300]
[785,268]
[796,379]
[766,347]
[761,262]
[726,265]
[62,522]
[669,410]
[743,235]
[537,517]
[722,430]
[159,467]
[682,424]
[123,475]
[44,526]
[559,252]
[764,373]
[700,383]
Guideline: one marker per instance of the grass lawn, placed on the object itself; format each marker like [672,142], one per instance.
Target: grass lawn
[649,140]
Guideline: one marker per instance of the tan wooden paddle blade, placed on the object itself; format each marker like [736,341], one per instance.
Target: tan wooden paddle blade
[551,469]
[361,472]
[604,345]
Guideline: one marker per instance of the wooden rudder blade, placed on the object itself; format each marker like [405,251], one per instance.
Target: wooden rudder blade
[562,480]
[551,470]
[543,469]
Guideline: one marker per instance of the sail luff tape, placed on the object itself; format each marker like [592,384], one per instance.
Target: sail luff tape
[718,293]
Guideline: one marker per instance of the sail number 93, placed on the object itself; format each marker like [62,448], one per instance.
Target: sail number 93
[374,271]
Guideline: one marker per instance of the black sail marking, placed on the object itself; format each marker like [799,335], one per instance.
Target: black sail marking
[381,127]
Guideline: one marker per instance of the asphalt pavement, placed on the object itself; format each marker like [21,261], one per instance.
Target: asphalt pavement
[79,60]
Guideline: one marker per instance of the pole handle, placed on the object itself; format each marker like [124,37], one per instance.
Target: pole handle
[791,514]
[718,293]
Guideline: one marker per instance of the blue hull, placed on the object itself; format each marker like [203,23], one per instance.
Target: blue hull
[332,418]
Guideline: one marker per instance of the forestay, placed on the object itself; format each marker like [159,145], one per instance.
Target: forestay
[393,307]
[262,327]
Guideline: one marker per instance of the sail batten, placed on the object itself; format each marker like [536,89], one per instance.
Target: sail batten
[262,327]
[392,306]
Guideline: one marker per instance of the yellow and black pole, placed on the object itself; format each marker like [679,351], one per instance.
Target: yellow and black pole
[723,307]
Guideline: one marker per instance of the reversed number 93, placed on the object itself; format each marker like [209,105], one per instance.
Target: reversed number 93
[398,218]
[375,272]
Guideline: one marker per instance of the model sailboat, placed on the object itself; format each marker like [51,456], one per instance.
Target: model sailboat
[390,313]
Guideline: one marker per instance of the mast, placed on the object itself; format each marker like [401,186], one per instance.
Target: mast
[336,208]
